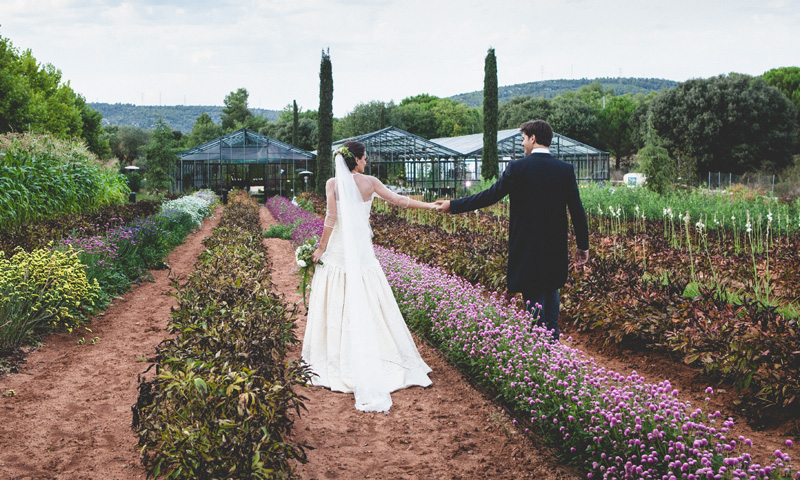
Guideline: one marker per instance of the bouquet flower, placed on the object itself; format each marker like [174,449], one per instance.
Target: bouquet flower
[303,258]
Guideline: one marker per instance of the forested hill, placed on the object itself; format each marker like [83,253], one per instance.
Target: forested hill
[553,88]
[179,117]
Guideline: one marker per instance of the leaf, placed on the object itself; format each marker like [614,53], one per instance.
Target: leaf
[201,386]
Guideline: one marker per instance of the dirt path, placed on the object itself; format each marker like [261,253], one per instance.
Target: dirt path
[71,413]
[446,431]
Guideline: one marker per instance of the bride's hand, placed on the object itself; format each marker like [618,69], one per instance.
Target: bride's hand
[317,254]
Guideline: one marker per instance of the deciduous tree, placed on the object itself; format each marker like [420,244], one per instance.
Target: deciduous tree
[235,112]
[730,123]
[616,133]
[519,110]
[161,158]
[203,130]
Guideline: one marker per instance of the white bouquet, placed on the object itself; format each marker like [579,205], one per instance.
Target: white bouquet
[302,256]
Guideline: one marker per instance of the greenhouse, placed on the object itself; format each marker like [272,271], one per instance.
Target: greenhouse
[247,160]
[448,166]
[589,162]
[406,160]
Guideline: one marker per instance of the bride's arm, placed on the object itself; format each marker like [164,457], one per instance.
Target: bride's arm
[399,200]
[330,220]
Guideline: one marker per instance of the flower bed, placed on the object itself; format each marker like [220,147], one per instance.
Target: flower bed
[39,234]
[218,406]
[637,296]
[608,424]
[40,292]
[58,288]
[306,225]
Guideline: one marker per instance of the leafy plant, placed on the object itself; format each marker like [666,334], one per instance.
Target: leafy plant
[43,291]
[218,406]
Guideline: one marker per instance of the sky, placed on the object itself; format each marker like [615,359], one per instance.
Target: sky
[195,52]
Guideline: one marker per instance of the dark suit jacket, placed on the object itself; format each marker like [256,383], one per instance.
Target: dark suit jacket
[541,189]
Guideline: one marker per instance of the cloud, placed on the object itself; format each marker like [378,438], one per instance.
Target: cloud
[141,50]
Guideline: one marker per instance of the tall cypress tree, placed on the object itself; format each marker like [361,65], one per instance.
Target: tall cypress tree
[295,123]
[325,121]
[489,162]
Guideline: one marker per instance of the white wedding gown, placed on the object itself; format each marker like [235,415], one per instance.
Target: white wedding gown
[337,347]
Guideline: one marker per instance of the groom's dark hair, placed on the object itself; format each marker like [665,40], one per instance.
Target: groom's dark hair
[540,129]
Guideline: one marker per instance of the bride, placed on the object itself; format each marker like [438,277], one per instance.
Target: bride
[356,339]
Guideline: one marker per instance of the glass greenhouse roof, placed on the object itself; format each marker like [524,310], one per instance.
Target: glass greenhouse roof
[399,144]
[509,144]
[245,146]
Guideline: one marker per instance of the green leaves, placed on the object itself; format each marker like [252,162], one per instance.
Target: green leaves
[201,387]
[44,178]
[219,405]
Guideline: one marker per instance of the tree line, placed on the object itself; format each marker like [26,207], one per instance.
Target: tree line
[34,98]
[179,117]
[733,123]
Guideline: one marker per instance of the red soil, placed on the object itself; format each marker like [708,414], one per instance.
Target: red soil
[69,417]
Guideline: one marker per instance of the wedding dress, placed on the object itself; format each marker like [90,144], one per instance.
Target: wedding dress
[356,339]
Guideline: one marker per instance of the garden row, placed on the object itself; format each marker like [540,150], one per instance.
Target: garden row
[607,424]
[729,209]
[57,288]
[745,342]
[219,403]
[42,177]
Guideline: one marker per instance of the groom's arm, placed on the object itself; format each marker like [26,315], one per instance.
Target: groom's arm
[490,196]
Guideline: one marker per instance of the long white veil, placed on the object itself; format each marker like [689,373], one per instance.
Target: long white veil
[366,367]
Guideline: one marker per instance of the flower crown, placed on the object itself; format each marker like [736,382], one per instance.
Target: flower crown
[343,151]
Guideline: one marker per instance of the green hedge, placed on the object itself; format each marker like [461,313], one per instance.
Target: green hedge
[219,405]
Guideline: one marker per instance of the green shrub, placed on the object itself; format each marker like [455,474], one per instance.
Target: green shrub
[279,231]
[43,178]
[219,405]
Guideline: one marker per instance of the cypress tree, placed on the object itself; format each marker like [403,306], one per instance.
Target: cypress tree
[295,123]
[324,121]
[489,161]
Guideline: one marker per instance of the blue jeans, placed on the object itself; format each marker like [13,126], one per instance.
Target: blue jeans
[550,305]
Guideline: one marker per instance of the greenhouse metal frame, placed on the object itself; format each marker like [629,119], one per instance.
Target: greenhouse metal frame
[402,159]
[448,166]
[246,159]
[589,162]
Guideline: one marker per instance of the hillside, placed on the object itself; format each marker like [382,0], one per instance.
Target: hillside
[179,117]
[553,88]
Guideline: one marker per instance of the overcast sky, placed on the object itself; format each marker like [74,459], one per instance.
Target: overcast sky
[195,52]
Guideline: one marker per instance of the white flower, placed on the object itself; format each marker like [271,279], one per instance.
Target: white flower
[747,226]
[637,209]
[619,210]
[769,217]
[699,225]
[301,264]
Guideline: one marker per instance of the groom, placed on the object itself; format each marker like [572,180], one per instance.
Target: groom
[541,188]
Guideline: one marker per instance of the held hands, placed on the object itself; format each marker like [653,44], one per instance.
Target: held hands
[442,206]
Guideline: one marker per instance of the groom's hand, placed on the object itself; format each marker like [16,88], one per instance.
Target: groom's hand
[581,257]
[443,206]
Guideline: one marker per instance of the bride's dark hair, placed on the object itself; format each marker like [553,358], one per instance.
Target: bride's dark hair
[354,150]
